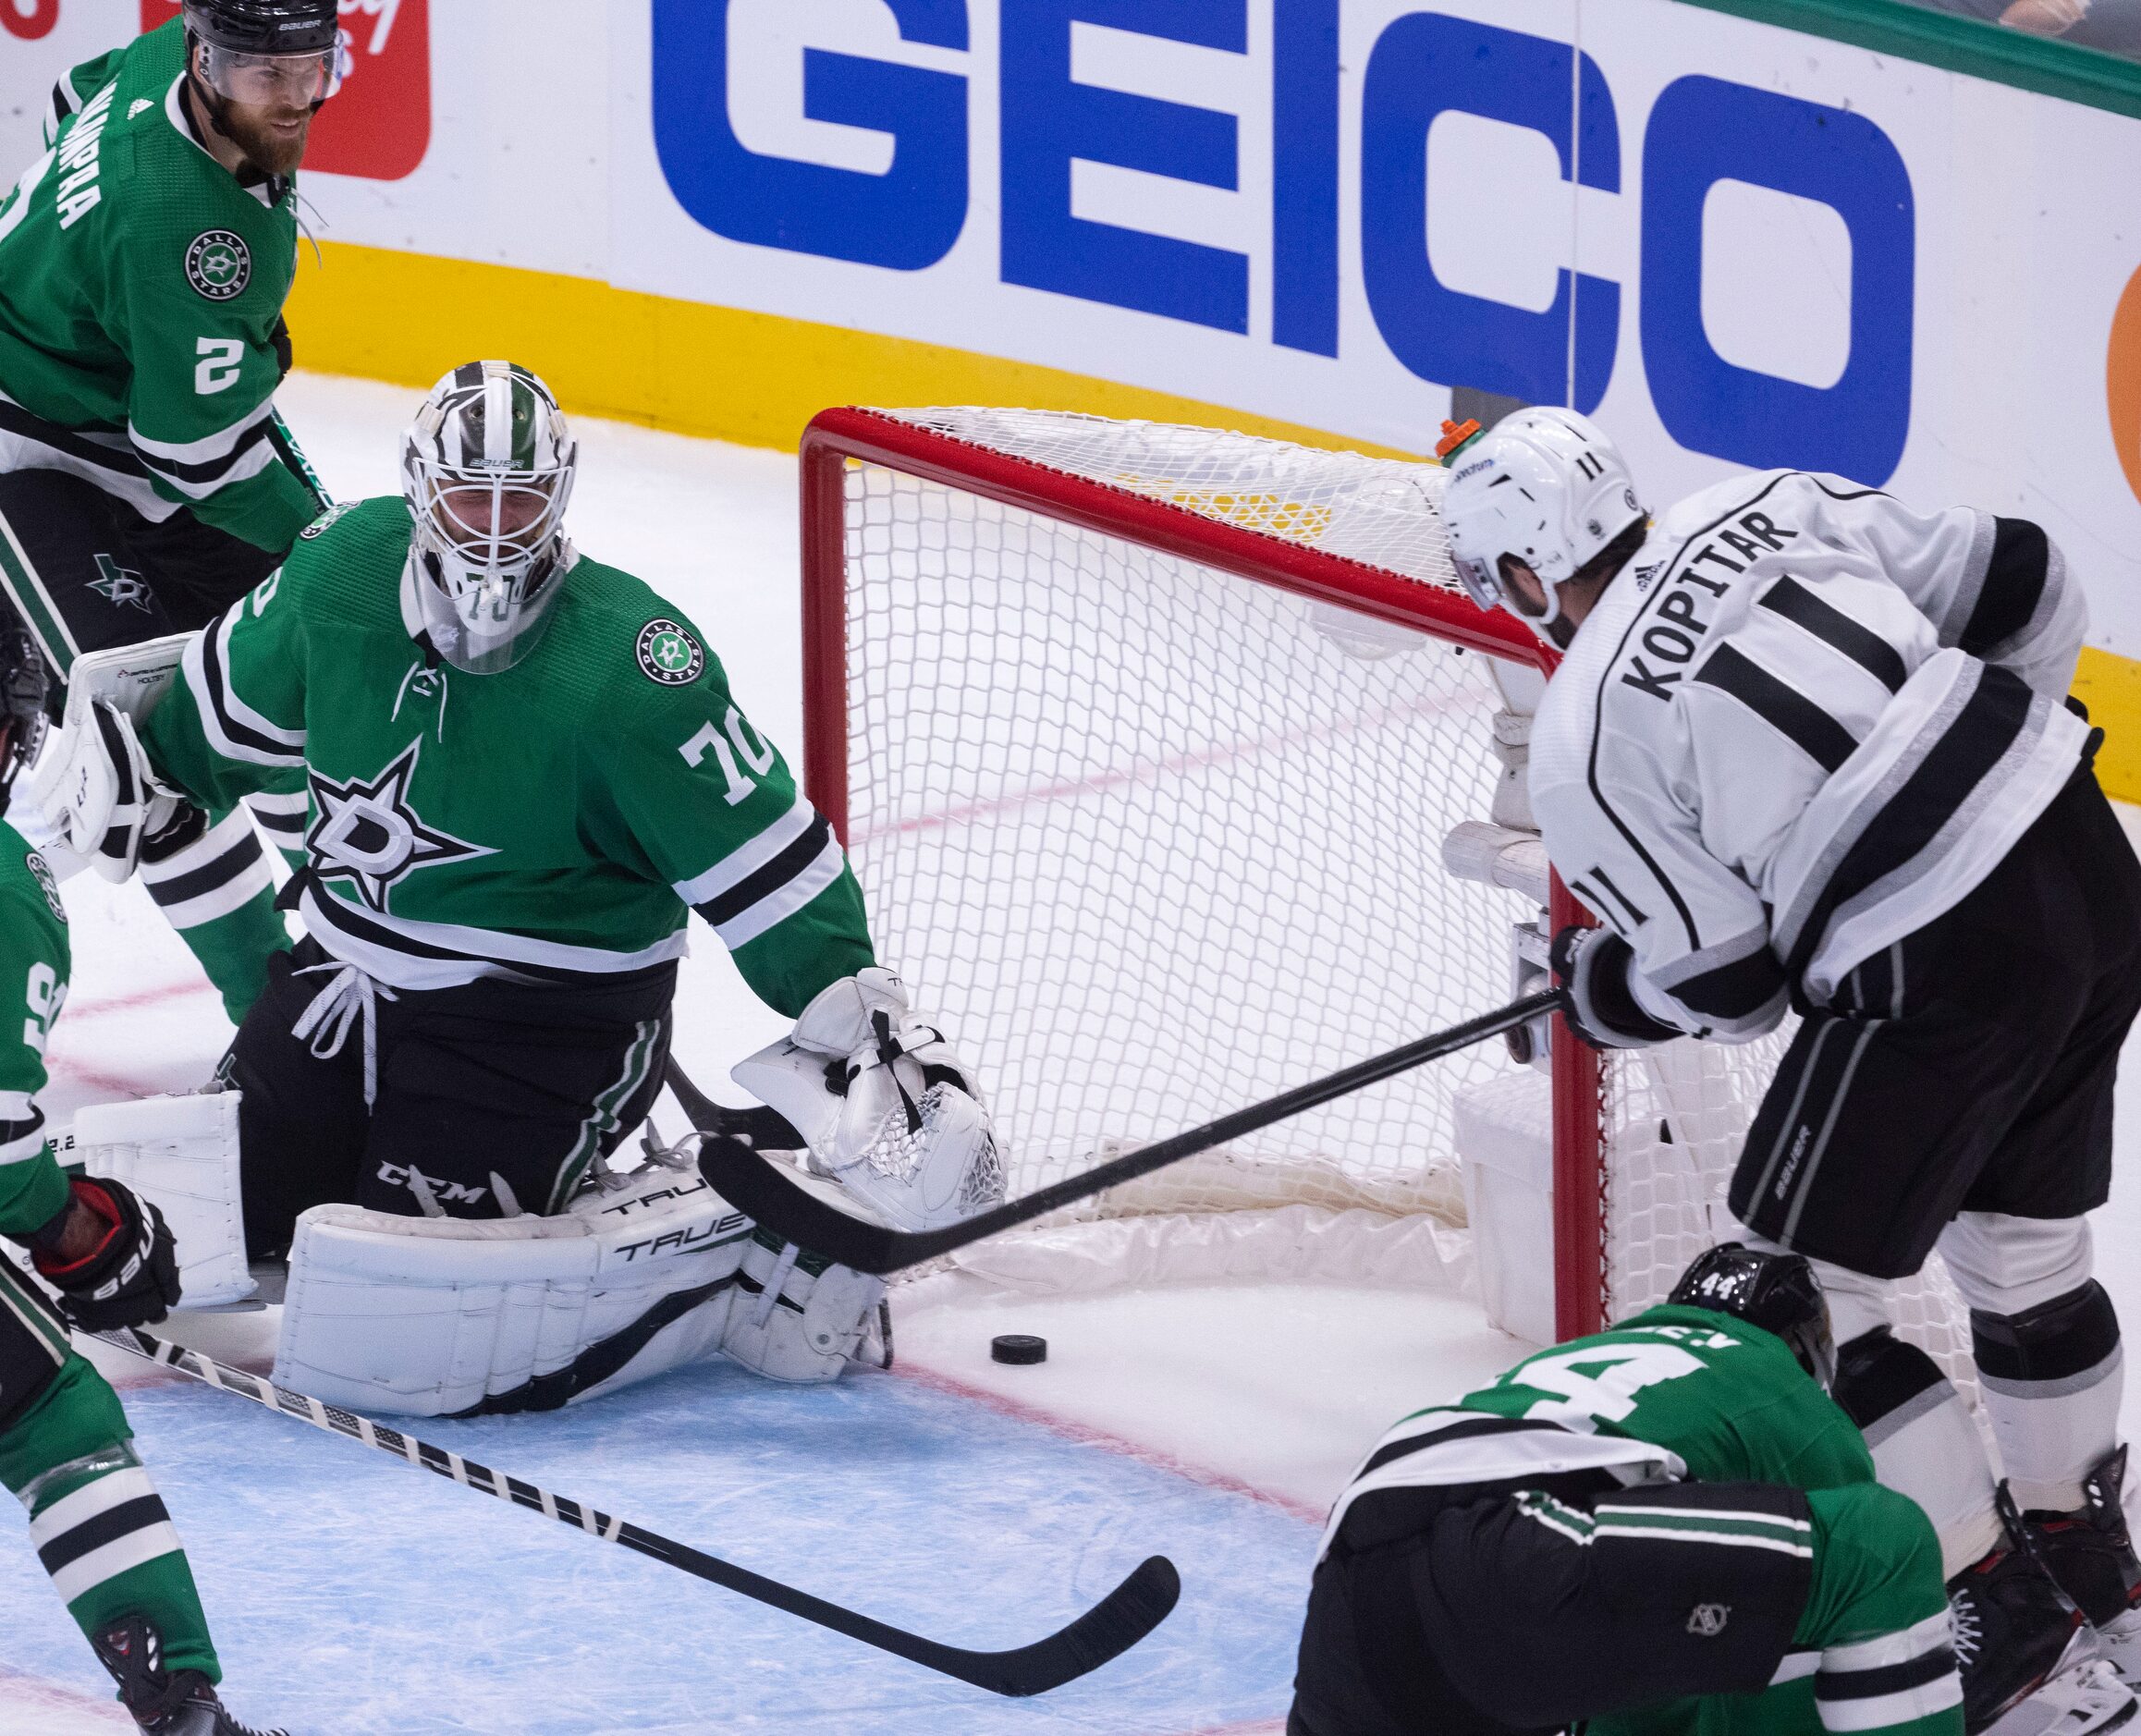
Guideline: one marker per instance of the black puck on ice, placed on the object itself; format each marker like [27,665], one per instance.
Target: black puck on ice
[1017,1347]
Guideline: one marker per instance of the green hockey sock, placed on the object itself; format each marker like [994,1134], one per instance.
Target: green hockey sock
[96,1521]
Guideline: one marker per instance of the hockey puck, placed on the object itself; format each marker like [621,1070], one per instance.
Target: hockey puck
[1017,1347]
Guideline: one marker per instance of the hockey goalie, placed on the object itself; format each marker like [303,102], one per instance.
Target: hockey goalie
[524,771]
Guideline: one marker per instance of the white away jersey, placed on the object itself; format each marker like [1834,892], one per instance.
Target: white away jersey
[1803,722]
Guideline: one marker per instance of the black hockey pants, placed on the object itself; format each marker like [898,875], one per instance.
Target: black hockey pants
[1968,1067]
[479,1101]
[85,571]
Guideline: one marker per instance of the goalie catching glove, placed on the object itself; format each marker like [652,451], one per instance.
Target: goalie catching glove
[130,1278]
[882,1104]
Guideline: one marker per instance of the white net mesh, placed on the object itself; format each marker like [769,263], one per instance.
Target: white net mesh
[1155,841]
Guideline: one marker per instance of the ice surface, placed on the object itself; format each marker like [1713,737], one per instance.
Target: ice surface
[352,1593]
[974,1503]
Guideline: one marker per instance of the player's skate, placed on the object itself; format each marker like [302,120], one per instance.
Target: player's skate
[2090,1552]
[167,1703]
[2030,1665]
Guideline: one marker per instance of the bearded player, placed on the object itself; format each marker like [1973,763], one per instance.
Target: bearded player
[65,1452]
[524,772]
[1807,747]
[1667,1529]
[146,480]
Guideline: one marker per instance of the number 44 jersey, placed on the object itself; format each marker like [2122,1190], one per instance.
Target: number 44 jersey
[1671,1393]
[548,822]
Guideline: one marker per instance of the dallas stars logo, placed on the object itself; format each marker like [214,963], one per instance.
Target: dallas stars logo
[366,832]
[123,587]
[219,264]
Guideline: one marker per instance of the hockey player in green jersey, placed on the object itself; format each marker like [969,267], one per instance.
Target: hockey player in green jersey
[1668,1529]
[524,771]
[146,480]
[65,1452]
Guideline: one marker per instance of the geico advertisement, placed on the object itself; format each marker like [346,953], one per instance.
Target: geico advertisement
[1737,245]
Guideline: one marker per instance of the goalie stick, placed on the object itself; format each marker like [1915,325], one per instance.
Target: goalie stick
[1111,1627]
[739,1175]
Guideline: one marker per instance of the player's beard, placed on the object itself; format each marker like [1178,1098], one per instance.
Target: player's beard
[272,138]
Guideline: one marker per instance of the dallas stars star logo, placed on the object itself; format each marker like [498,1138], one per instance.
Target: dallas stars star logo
[365,832]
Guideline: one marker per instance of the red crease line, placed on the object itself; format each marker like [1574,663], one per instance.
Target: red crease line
[1085,1433]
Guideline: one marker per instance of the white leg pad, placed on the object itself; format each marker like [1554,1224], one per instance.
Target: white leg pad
[181,1152]
[430,1316]
[790,1324]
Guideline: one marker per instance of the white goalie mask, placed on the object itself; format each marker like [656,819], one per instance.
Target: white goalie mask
[487,469]
[1547,487]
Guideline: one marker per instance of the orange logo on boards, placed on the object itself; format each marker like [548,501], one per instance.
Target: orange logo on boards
[2122,383]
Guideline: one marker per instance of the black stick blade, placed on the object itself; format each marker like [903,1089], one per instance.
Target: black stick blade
[759,1190]
[1105,1631]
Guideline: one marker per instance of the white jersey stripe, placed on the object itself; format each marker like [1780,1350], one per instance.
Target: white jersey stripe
[748,859]
[779,905]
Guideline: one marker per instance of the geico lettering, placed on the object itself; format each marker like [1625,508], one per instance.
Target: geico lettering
[1644,681]
[1669,644]
[1768,529]
[1679,608]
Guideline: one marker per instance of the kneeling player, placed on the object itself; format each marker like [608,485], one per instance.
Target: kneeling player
[524,771]
[1669,1528]
[66,1452]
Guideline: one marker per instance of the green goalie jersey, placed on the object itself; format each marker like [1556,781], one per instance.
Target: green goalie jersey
[140,282]
[34,962]
[549,823]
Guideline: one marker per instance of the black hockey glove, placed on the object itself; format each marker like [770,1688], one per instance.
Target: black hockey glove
[130,1278]
[285,355]
[1592,964]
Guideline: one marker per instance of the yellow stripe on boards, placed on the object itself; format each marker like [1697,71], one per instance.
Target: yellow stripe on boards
[686,366]
[758,378]
[2109,686]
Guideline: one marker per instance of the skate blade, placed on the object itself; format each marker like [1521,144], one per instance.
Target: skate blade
[2122,1646]
[2081,1701]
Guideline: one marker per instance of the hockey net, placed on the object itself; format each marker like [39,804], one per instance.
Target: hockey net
[1145,741]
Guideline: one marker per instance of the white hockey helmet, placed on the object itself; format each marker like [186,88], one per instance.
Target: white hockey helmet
[1547,487]
[487,467]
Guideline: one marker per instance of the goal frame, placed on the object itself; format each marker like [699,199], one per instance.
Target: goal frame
[835,437]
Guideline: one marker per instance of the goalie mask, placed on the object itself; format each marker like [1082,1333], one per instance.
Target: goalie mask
[487,469]
[1775,1291]
[1544,487]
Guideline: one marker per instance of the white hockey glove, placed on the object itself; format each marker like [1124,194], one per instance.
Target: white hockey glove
[883,1104]
[92,786]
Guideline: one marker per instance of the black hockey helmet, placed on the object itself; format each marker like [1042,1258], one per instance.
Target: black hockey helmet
[265,27]
[22,694]
[1775,1291]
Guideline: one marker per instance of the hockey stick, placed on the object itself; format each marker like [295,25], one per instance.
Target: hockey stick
[1111,1627]
[759,1189]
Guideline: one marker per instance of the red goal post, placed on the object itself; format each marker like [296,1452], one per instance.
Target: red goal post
[839,439]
